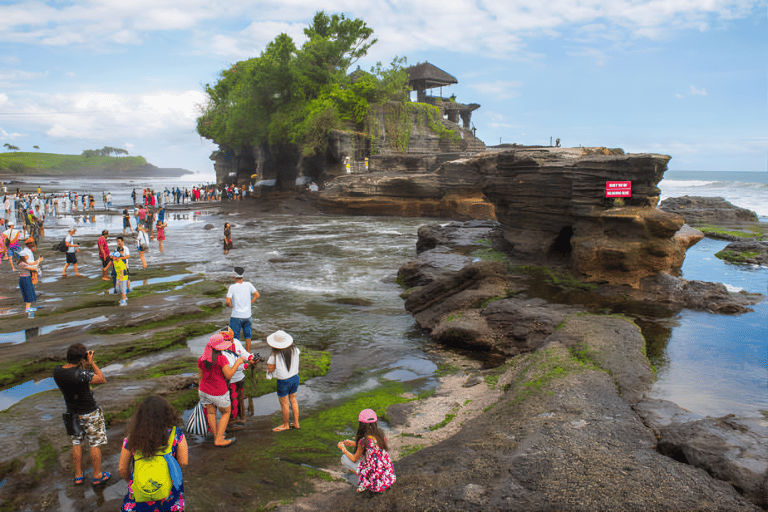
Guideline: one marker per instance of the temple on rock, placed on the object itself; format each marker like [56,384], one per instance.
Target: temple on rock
[425,76]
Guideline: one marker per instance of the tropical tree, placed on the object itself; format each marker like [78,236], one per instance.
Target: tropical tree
[10,147]
[291,95]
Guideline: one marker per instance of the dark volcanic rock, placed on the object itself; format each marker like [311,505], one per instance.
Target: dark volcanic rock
[715,210]
[751,252]
[697,295]
[731,449]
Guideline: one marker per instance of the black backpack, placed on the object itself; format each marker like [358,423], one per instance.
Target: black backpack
[61,246]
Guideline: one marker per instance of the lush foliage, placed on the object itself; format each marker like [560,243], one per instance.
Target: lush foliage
[291,95]
[21,162]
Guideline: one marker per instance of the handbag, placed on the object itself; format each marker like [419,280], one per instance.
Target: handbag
[197,423]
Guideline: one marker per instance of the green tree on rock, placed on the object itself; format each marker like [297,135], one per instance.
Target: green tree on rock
[291,95]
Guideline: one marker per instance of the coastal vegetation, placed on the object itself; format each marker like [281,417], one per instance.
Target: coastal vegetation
[28,162]
[294,97]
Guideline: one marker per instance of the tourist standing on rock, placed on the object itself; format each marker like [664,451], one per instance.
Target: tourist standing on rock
[28,268]
[213,371]
[127,220]
[85,419]
[142,244]
[283,365]
[237,382]
[9,239]
[161,233]
[72,250]
[371,461]
[104,254]
[227,238]
[153,432]
[240,296]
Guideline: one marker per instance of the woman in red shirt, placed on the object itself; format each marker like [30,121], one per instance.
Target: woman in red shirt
[214,371]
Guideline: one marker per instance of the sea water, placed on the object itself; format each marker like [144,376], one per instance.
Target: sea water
[718,364]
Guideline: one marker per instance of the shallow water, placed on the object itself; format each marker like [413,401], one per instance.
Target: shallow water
[303,266]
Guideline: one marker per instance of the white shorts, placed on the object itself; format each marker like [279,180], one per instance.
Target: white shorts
[222,402]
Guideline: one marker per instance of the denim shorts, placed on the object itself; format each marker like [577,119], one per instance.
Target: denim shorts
[241,323]
[288,386]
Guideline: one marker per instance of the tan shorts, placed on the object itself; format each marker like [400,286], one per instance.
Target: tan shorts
[94,429]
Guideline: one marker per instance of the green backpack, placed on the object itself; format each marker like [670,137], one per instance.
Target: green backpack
[152,480]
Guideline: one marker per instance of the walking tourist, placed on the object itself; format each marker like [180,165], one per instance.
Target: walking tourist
[161,234]
[72,250]
[127,220]
[227,238]
[142,244]
[237,382]
[84,419]
[104,254]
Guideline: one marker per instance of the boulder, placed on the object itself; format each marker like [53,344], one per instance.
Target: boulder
[731,449]
[713,210]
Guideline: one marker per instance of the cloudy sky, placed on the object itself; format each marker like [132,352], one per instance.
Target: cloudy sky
[685,78]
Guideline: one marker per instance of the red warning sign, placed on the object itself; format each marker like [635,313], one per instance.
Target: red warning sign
[618,189]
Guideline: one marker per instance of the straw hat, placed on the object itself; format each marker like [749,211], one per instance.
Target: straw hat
[279,340]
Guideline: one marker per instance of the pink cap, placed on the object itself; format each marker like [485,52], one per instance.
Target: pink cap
[367,416]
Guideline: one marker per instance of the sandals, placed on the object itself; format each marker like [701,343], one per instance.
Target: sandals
[361,488]
[79,480]
[104,477]
[281,428]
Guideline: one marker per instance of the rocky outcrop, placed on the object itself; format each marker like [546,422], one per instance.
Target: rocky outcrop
[729,448]
[713,210]
[751,253]
[550,202]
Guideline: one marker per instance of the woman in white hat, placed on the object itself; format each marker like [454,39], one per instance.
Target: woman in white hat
[283,364]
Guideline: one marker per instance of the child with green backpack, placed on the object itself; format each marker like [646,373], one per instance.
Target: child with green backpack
[153,455]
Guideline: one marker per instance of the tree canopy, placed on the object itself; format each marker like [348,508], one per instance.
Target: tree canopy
[105,151]
[297,95]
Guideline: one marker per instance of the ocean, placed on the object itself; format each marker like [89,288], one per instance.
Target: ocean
[718,364]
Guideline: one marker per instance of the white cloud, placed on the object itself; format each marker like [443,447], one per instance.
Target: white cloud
[499,89]
[692,91]
[497,28]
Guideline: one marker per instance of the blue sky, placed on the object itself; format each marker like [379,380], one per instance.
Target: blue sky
[686,78]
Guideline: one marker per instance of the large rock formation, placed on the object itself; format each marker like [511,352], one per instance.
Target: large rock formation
[715,210]
[550,202]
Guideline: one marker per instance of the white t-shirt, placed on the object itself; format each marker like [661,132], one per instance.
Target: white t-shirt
[71,241]
[240,351]
[281,372]
[241,295]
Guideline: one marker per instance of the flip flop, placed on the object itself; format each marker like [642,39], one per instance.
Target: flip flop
[230,443]
[234,428]
[104,477]
[79,480]
[294,427]
[280,428]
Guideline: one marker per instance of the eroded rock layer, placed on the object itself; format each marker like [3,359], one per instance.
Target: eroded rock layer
[549,201]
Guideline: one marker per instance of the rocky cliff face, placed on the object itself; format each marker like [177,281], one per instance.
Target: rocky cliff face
[550,201]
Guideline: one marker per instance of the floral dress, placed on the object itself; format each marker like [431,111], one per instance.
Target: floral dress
[173,503]
[375,471]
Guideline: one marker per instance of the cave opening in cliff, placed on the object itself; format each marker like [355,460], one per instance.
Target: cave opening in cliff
[562,244]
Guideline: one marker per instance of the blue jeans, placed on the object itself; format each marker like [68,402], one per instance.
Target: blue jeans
[241,323]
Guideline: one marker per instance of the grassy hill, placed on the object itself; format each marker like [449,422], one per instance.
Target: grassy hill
[28,163]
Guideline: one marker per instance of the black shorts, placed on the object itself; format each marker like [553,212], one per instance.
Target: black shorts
[104,262]
[71,257]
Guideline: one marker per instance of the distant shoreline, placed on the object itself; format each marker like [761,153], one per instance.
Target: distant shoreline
[143,171]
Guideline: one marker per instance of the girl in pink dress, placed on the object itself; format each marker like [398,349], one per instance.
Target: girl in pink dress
[370,462]
[161,233]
